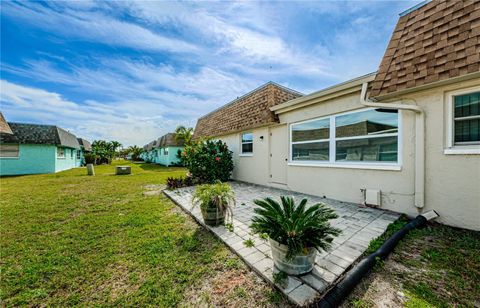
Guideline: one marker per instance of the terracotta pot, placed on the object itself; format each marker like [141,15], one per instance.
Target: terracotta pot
[212,215]
[300,264]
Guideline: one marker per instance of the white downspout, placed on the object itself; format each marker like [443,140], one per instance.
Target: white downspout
[419,140]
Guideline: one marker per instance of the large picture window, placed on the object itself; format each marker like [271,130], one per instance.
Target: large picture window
[247,143]
[310,140]
[366,136]
[466,119]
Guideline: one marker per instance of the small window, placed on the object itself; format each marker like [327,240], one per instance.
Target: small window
[9,150]
[165,151]
[79,154]
[247,143]
[71,153]
[60,152]
[466,119]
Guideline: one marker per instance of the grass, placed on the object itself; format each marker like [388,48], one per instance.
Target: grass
[435,266]
[70,239]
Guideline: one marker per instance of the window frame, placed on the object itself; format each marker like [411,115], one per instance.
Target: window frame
[246,154]
[451,147]
[332,162]
[64,154]
[12,157]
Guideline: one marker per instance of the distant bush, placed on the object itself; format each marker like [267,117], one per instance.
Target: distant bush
[90,158]
[208,161]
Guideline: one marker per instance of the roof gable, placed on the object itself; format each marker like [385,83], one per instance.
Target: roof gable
[4,128]
[437,41]
[246,112]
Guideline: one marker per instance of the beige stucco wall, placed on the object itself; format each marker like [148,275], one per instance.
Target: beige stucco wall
[452,185]
[255,168]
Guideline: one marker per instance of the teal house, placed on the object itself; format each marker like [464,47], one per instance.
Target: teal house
[85,147]
[163,151]
[34,149]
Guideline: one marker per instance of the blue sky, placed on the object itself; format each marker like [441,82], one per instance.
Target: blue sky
[133,71]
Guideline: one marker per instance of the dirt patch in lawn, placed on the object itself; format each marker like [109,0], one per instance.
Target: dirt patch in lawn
[120,283]
[153,189]
[232,284]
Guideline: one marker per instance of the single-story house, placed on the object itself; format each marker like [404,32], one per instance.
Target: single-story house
[35,148]
[85,147]
[405,138]
[163,150]
[167,148]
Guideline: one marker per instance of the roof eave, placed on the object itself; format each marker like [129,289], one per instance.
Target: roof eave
[340,89]
[396,94]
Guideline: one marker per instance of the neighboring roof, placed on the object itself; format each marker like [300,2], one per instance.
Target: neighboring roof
[246,112]
[149,146]
[432,42]
[344,88]
[39,134]
[169,140]
[4,128]
[85,144]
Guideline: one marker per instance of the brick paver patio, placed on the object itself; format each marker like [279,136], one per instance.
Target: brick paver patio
[359,225]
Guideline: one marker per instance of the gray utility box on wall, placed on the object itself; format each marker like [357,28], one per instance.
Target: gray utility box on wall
[121,170]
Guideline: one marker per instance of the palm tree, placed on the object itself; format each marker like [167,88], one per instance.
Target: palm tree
[135,151]
[185,134]
[115,145]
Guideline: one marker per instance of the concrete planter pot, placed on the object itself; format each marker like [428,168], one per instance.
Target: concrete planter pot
[212,215]
[300,264]
[90,169]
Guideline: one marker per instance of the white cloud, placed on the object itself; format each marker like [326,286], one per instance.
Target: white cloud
[129,122]
[94,26]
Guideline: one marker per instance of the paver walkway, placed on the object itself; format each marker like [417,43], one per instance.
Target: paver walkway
[359,225]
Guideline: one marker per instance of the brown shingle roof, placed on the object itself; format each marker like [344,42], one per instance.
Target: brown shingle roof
[169,140]
[435,42]
[4,128]
[246,112]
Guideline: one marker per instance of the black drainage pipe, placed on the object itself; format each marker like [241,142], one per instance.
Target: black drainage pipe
[337,294]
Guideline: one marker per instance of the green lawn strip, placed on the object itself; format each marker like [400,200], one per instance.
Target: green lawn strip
[69,239]
[448,263]
[442,265]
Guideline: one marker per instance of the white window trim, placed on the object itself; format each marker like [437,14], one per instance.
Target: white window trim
[451,148]
[332,163]
[64,154]
[248,154]
[13,157]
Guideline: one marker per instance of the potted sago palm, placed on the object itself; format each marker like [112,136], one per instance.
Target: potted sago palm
[295,232]
[215,201]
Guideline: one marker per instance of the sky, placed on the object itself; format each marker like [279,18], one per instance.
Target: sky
[133,71]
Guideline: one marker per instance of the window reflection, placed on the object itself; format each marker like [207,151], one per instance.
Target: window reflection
[370,122]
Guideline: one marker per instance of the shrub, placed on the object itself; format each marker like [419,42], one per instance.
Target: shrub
[208,161]
[296,226]
[90,158]
[174,183]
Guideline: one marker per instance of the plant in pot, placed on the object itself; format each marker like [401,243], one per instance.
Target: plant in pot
[295,232]
[215,201]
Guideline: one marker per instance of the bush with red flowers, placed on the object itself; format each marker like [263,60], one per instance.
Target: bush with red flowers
[208,161]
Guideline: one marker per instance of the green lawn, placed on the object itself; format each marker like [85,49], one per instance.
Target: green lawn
[70,239]
[435,266]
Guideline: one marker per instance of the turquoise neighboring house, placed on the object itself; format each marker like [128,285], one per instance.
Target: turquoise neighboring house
[34,149]
[85,147]
[163,151]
